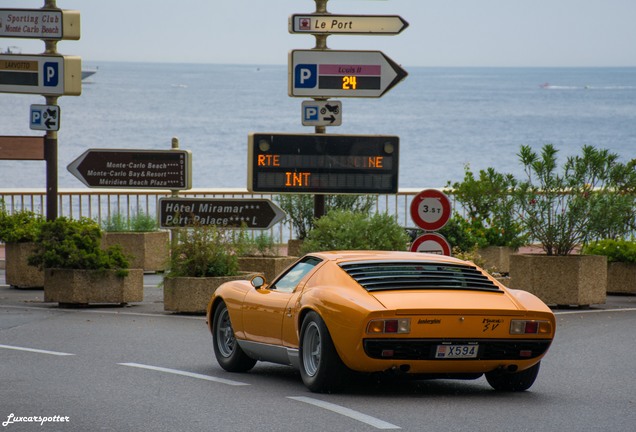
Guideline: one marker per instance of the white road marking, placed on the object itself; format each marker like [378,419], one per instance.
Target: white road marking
[106,312]
[185,373]
[39,351]
[593,311]
[371,421]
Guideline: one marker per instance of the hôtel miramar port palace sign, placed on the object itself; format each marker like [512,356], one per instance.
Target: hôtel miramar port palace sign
[322,163]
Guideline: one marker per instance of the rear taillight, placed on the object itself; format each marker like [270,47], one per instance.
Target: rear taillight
[383,326]
[530,327]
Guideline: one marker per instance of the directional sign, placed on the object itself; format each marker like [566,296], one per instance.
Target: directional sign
[48,75]
[144,169]
[430,209]
[322,113]
[346,24]
[431,243]
[230,213]
[21,148]
[322,163]
[54,24]
[330,73]
[45,117]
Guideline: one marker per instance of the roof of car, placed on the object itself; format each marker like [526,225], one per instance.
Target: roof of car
[354,255]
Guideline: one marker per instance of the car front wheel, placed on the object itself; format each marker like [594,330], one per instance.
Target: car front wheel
[515,381]
[320,366]
[226,349]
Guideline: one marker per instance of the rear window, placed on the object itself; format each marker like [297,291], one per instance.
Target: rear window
[405,275]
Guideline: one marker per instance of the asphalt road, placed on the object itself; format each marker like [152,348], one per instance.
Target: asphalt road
[139,368]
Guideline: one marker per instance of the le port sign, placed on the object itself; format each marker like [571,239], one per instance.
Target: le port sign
[332,73]
[145,169]
[224,213]
[346,24]
[46,24]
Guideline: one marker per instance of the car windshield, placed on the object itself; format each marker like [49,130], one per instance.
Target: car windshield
[403,275]
[294,275]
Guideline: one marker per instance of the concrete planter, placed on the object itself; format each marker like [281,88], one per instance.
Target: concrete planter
[269,266]
[497,258]
[192,294]
[293,247]
[149,251]
[19,273]
[621,278]
[82,287]
[572,280]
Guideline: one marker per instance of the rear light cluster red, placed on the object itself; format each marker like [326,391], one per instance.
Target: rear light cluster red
[530,327]
[383,326]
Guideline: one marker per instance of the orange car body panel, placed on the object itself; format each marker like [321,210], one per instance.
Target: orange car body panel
[265,316]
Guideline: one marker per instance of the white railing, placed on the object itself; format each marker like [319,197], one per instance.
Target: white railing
[100,204]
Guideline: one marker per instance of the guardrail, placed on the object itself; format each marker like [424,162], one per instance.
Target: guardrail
[100,204]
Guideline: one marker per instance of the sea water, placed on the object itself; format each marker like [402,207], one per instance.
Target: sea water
[446,118]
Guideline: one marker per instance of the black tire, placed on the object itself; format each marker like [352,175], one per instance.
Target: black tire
[513,381]
[320,366]
[226,349]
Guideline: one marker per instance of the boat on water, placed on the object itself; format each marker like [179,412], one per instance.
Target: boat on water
[88,72]
[16,50]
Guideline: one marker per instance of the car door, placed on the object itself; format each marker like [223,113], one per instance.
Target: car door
[265,309]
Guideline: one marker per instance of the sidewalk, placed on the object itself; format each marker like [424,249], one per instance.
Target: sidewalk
[153,299]
[152,303]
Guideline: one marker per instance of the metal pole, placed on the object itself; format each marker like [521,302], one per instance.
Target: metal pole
[50,142]
[321,44]
[174,232]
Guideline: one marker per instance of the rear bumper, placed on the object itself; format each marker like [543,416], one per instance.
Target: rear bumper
[425,349]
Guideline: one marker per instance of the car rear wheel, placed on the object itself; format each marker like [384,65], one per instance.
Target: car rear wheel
[513,382]
[226,349]
[320,366]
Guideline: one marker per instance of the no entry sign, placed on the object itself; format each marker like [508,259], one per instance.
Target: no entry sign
[431,243]
[430,209]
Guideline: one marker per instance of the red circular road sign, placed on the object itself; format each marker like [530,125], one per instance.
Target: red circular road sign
[431,243]
[430,209]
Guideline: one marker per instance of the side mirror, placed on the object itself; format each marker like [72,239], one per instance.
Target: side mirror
[258,281]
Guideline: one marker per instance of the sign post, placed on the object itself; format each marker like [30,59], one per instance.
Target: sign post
[321,73]
[346,24]
[431,210]
[323,163]
[146,169]
[226,213]
[53,24]
[331,73]
[50,75]
[47,75]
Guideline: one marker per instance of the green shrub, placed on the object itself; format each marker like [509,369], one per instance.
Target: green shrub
[75,244]
[300,208]
[614,250]
[138,222]
[562,209]
[490,207]
[204,251]
[463,235]
[20,226]
[348,230]
[260,245]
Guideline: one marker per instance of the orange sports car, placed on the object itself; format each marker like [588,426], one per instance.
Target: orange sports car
[423,315]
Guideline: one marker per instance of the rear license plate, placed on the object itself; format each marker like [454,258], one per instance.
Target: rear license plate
[456,351]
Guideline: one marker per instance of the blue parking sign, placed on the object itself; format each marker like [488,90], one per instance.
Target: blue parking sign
[50,71]
[311,113]
[306,76]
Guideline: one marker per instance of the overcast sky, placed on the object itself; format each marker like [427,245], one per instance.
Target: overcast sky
[441,32]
